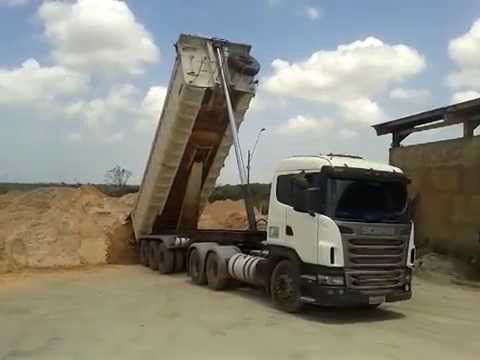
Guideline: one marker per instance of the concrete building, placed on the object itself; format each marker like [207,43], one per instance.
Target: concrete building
[445,177]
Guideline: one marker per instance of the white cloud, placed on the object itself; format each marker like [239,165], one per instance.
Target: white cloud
[12,3]
[312,13]
[74,137]
[347,134]
[101,115]
[462,96]
[361,110]
[33,83]
[350,76]
[264,101]
[122,108]
[412,95]
[151,107]
[465,53]
[97,36]
[301,124]
[115,137]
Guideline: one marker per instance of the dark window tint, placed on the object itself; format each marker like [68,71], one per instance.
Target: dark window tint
[284,189]
[289,185]
[369,200]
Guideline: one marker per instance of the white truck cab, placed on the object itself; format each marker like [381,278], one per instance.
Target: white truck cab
[345,219]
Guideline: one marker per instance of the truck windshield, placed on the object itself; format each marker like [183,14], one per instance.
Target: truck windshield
[369,200]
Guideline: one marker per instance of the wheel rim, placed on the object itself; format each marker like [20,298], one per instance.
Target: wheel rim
[285,288]
[194,265]
[213,269]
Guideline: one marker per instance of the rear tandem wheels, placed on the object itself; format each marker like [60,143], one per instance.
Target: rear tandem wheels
[219,266]
[156,255]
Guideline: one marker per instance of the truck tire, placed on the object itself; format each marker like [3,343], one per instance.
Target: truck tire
[195,269]
[153,255]
[179,261]
[285,287]
[244,64]
[144,252]
[215,279]
[368,307]
[165,259]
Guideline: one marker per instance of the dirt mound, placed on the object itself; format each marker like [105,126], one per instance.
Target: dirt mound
[443,268]
[63,227]
[225,214]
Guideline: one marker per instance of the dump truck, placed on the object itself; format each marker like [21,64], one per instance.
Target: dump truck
[338,231]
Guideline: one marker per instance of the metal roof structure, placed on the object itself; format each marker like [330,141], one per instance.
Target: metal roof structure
[467,112]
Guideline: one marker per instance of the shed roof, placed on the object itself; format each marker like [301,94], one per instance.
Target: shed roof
[466,112]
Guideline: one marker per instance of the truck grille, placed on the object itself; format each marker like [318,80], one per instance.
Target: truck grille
[375,253]
[374,263]
[375,279]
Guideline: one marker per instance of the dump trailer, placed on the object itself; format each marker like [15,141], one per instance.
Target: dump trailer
[338,229]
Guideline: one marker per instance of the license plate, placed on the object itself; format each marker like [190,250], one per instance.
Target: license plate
[372,300]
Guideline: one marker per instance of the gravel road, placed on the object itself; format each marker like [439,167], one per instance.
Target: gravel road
[129,312]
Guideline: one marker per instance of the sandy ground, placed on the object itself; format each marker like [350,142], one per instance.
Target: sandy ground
[129,312]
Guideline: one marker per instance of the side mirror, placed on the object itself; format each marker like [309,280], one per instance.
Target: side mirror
[308,200]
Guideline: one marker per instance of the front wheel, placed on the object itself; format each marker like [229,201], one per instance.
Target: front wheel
[285,287]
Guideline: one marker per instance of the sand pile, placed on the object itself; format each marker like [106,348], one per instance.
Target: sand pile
[63,227]
[225,214]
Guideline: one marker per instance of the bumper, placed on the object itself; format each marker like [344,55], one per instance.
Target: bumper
[341,296]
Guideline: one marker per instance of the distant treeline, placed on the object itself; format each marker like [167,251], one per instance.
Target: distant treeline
[260,192]
[110,190]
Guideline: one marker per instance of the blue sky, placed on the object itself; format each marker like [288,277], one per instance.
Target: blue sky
[82,82]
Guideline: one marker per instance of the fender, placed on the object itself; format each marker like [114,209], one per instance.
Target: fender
[278,252]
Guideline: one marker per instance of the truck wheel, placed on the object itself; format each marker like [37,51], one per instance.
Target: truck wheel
[285,287]
[179,261]
[165,259]
[144,252]
[215,279]
[244,64]
[195,269]
[152,255]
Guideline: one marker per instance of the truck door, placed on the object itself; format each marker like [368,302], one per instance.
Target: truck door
[301,229]
[280,192]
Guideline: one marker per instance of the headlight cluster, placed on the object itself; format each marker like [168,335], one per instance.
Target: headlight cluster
[334,280]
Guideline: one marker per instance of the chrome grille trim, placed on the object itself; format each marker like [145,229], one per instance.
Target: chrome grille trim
[374,279]
[374,261]
[375,253]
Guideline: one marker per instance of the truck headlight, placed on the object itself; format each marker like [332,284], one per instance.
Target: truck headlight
[334,280]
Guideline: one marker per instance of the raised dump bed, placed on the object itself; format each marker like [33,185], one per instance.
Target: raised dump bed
[192,138]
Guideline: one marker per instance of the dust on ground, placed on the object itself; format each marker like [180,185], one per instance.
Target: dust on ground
[131,312]
[446,269]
